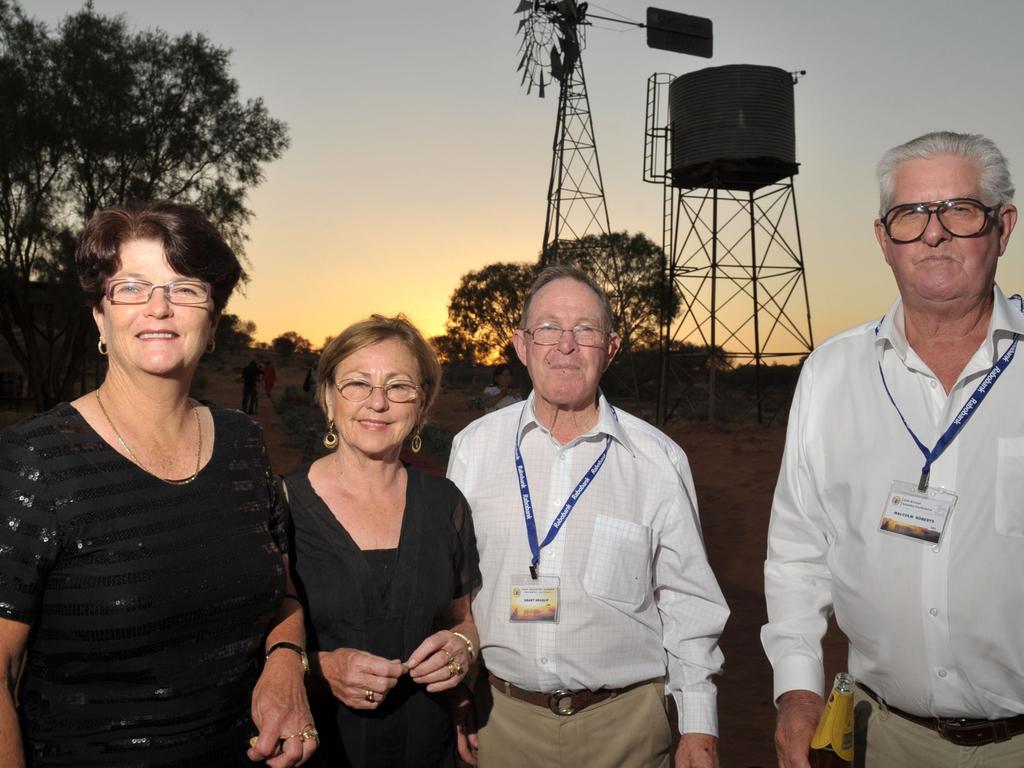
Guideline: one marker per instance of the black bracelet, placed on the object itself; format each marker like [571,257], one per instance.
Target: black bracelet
[291,647]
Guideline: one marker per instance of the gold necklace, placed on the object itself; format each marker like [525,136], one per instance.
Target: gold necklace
[133,457]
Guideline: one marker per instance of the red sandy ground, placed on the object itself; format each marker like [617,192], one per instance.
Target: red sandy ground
[734,469]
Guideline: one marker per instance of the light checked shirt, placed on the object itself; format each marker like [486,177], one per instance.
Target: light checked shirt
[934,630]
[638,598]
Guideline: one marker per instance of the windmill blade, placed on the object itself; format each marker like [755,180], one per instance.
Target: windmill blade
[526,74]
[541,87]
[522,61]
[524,5]
[522,23]
[556,63]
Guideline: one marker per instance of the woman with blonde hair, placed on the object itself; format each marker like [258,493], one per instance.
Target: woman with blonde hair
[384,557]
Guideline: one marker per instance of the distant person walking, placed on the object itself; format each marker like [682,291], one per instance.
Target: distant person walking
[250,395]
[269,379]
[310,384]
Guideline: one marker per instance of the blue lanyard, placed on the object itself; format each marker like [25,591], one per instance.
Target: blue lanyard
[524,493]
[966,412]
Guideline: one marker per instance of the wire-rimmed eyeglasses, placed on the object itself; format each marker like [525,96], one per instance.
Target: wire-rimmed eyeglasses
[960,217]
[357,390]
[549,334]
[130,290]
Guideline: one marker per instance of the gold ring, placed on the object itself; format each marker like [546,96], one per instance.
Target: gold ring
[368,695]
[309,734]
[450,657]
[454,668]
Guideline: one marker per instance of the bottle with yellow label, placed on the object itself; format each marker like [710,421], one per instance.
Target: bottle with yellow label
[832,744]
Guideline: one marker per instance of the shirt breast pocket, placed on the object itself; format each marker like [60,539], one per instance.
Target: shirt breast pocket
[619,561]
[1010,486]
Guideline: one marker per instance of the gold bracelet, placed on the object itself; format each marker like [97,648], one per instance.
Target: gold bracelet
[469,644]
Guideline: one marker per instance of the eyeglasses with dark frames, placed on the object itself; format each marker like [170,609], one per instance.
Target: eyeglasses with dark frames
[549,334]
[959,216]
[357,390]
[129,290]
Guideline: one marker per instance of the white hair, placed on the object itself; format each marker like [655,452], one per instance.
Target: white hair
[993,169]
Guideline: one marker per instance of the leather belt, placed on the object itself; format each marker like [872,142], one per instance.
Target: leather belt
[962,731]
[562,701]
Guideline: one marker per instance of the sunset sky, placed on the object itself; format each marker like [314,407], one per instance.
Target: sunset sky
[415,156]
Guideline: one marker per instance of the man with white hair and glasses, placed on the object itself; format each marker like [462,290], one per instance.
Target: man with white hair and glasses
[900,502]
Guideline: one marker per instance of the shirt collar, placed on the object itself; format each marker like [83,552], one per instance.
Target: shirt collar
[607,423]
[1007,319]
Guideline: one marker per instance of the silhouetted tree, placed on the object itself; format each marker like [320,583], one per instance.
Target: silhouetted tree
[455,349]
[91,115]
[483,311]
[234,335]
[290,343]
[628,268]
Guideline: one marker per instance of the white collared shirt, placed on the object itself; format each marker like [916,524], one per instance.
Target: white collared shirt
[934,630]
[638,598]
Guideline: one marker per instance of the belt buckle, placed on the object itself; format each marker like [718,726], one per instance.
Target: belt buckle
[966,732]
[560,702]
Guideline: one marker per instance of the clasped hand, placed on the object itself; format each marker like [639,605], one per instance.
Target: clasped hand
[361,680]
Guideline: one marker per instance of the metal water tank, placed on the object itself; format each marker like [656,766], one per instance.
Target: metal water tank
[732,127]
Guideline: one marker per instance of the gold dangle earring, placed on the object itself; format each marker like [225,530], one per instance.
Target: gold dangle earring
[417,442]
[101,345]
[331,438]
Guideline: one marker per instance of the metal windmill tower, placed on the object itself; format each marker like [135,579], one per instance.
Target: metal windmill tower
[553,38]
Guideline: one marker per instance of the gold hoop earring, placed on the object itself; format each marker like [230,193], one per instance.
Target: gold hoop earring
[101,345]
[331,438]
[417,442]
[211,346]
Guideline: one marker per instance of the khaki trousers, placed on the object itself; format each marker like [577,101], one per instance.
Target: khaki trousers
[627,731]
[885,740]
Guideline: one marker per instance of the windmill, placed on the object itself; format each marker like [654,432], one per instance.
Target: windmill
[553,38]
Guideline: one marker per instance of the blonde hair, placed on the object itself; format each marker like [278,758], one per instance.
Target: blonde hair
[374,330]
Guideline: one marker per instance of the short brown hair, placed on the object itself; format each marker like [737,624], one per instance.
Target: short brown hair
[191,243]
[373,330]
[559,271]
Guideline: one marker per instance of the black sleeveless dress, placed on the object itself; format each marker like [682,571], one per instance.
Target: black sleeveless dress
[148,602]
[371,602]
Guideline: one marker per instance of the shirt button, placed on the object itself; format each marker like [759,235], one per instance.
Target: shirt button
[942,673]
[933,611]
[543,659]
[932,383]
[935,548]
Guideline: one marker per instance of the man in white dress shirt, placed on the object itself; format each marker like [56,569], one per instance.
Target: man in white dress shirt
[900,503]
[597,597]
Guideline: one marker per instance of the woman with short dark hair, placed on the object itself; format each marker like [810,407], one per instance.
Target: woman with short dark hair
[142,568]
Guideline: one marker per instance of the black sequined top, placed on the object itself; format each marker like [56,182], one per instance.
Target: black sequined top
[148,601]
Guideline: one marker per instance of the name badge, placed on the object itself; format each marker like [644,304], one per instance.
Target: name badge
[917,515]
[534,599]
